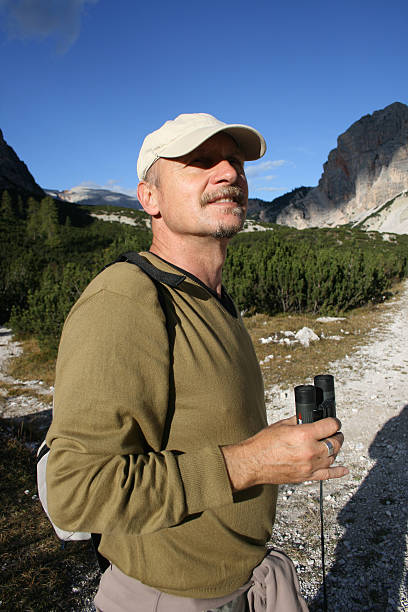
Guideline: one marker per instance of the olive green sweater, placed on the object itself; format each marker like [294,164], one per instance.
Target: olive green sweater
[141,409]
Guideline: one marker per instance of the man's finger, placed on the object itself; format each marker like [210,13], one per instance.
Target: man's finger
[331,446]
[324,428]
[329,473]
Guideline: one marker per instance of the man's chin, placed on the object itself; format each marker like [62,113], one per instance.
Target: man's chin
[230,222]
[228,231]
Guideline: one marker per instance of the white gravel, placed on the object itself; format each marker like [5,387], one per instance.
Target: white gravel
[366,512]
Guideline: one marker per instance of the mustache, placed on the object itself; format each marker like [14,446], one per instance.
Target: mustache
[231,193]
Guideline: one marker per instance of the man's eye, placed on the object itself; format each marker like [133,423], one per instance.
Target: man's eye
[206,162]
[238,163]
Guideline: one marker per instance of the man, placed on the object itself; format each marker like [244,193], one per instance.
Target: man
[159,440]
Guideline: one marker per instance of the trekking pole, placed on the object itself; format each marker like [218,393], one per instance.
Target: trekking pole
[322,548]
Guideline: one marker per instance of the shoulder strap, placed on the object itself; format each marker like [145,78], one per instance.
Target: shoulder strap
[173,280]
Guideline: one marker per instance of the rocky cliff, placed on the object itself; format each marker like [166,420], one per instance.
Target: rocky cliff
[14,174]
[367,169]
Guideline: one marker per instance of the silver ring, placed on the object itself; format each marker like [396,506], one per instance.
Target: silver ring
[330,447]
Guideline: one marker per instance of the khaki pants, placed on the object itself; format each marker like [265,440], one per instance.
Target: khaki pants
[274,587]
[120,593]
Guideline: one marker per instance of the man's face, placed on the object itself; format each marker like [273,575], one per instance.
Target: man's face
[205,192]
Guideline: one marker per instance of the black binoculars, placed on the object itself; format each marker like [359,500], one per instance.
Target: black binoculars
[315,402]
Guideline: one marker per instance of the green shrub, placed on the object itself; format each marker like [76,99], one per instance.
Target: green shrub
[50,250]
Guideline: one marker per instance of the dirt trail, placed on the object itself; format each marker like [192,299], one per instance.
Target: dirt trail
[366,512]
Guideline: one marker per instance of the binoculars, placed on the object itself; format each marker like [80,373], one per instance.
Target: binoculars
[315,402]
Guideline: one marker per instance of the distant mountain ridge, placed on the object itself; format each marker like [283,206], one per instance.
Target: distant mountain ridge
[260,210]
[95,197]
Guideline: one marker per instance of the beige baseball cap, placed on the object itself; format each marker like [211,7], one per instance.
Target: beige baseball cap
[186,132]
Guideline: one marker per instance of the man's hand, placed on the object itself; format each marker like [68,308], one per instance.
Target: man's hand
[285,452]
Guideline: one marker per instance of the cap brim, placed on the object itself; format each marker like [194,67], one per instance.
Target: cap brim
[249,140]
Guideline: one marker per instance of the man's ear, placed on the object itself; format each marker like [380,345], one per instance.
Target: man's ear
[147,196]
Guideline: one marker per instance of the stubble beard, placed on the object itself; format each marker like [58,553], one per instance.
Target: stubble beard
[225,229]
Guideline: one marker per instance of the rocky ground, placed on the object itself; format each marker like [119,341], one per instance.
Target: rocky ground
[365,513]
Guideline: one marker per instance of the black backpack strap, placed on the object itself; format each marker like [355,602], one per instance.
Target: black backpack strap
[173,280]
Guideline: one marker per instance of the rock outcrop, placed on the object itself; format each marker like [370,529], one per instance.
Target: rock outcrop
[14,174]
[368,168]
[392,217]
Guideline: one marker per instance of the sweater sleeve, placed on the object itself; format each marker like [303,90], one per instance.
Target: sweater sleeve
[106,470]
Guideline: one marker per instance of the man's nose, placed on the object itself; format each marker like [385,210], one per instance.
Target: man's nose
[224,171]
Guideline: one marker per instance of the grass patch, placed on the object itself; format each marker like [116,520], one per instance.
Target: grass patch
[16,390]
[293,364]
[37,575]
[33,364]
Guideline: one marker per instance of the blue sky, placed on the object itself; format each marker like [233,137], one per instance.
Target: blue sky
[83,81]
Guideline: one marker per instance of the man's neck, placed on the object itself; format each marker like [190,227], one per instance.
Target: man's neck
[202,258]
